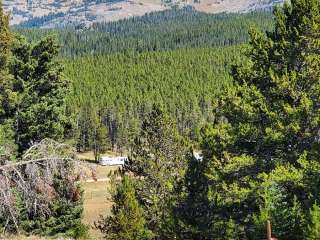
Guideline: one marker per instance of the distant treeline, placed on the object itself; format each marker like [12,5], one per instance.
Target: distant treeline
[39,21]
[166,30]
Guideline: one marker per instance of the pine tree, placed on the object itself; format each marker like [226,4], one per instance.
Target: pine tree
[8,148]
[5,39]
[193,206]
[127,220]
[267,126]
[231,232]
[42,91]
[313,231]
[158,160]
[8,97]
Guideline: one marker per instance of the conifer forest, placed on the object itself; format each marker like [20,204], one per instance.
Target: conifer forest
[216,116]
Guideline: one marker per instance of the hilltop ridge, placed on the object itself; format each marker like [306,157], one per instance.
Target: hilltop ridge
[60,13]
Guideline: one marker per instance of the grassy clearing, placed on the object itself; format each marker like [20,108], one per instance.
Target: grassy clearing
[96,200]
[89,156]
[96,203]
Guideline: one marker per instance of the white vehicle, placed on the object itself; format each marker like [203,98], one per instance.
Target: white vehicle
[198,156]
[112,161]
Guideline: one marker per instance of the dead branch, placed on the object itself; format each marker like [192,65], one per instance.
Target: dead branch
[31,181]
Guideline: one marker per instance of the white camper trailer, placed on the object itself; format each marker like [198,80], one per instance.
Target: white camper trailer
[112,161]
[198,156]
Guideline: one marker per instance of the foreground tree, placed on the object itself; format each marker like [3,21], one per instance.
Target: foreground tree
[8,98]
[127,221]
[42,90]
[32,88]
[261,155]
[313,231]
[39,195]
[158,162]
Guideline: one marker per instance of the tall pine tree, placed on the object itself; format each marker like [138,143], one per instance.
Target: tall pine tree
[158,160]
[42,90]
[127,221]
[266,130]
[8,97]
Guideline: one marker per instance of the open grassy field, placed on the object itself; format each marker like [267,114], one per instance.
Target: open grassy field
[96,200]
[90,156]
[96,203]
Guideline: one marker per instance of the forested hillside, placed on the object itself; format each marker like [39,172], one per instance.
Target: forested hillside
[117,91]
[163,58]
[167,30]
[260,154]
[221,128]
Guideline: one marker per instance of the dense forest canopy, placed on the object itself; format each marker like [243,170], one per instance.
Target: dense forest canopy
[120,89]
[111,94]
[260,153]
[167,30]
[156,88]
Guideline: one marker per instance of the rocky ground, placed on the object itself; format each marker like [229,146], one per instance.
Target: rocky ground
[64,12]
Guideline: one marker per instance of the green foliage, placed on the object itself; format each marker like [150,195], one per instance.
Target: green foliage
[192,208]
[8,148]
[97,102]
[33,107]
[32,88]
[158,162]
[231,232]
[127,221]
[287,220]
[313,231]
[65,217]
[8,98]
[5,39]
[41,88]
[262,150]
[118,91]
[159,31]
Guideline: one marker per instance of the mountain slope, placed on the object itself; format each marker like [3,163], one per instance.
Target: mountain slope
[59,13]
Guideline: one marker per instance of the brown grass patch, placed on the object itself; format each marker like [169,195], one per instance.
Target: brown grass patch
[96,203]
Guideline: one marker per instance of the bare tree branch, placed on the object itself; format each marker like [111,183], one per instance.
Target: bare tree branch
[32,180]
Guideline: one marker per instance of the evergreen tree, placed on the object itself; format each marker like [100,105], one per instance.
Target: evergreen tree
[127,220]
[313,231]
[186,92]
[8,148]
[171,29]
[42,90]
[231,232]
[267,127]
[158,161]
[8,97]
[192,207]
[5,42]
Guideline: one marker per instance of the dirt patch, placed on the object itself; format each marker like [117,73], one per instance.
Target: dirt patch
[96,200]
[96,203]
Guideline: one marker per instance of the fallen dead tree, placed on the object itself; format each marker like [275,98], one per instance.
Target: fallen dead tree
[47,173]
